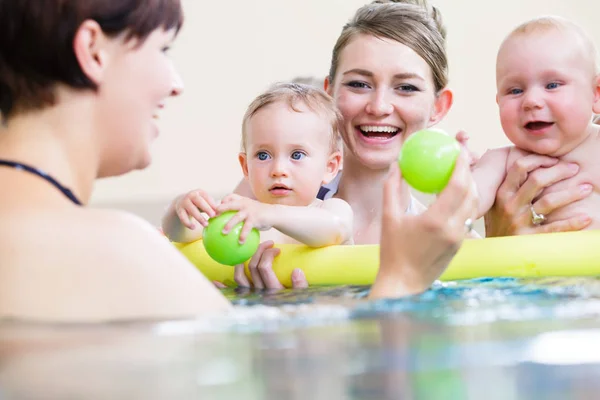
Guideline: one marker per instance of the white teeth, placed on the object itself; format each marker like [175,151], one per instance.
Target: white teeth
[383,129]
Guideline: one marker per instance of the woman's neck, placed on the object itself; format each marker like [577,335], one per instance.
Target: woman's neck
[56,140]
[362,188]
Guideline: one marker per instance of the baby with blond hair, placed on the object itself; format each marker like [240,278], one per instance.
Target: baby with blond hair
[548,91]
[290,147]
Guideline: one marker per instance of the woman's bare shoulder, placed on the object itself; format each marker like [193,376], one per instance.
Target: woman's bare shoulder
[91,264]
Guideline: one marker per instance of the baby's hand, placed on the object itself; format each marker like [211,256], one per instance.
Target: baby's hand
[462,137]
[189,208]
[254,214]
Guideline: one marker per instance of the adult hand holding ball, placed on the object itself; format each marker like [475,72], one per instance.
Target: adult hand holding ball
[226,249]
[427,160]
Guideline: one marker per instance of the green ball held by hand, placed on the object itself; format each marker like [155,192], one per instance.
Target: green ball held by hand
[427,160]
[226,249]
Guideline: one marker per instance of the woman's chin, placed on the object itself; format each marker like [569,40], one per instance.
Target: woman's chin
[376,159]
[144,162]
[116,168]
[377,162]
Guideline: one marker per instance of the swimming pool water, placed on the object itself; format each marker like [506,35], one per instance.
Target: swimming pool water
[485,338]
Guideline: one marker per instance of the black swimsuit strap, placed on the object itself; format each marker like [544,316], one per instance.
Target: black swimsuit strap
[43,175]
[322,193]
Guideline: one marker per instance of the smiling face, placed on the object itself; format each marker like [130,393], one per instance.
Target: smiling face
[288,154]
[385,92]
[137,81]
[547,90]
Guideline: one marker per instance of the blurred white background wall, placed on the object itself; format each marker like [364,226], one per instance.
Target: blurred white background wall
[229,51]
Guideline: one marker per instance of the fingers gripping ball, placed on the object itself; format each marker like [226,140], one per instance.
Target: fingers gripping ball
[427,160]
[226,249]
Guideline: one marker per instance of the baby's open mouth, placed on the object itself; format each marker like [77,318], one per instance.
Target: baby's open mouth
[378,132]
[538,125]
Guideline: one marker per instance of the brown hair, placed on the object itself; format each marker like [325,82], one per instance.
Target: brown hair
[298,93]
[36,50]
[411,22]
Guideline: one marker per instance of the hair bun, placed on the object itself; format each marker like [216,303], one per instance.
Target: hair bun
[432,11]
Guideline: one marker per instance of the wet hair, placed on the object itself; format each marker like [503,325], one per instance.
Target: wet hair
[414,23]
[36,50]
[295,94]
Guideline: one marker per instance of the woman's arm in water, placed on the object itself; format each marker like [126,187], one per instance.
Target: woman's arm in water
[416,249]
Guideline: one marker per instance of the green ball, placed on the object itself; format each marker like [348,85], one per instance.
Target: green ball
[427,160]
[226,249]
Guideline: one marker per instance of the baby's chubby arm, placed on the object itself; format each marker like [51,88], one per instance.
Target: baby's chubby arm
[489,173]
[324,224]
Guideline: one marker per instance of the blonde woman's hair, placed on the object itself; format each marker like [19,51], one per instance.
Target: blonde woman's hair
[294,95]
[413,23]
[310,80]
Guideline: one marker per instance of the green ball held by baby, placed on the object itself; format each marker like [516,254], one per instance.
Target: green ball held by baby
[427,160]
[226,249]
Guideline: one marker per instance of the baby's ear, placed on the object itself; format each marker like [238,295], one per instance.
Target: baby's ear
[243,159]
[596,105]
[333,167]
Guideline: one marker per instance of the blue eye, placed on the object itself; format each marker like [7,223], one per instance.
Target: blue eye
[552,85]
[262,155]
[515,91]
[298,155]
